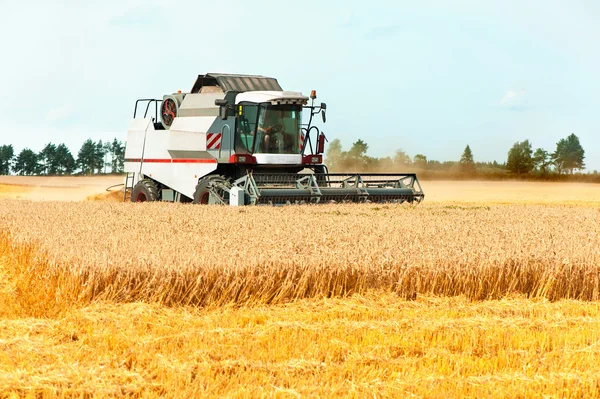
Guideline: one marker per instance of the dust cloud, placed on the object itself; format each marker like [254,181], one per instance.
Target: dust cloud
[58,188]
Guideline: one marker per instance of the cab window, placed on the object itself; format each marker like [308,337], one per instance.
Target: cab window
[279,129]
[245,127]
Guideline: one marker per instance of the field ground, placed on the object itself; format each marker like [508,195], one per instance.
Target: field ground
[487,289]
[363,346]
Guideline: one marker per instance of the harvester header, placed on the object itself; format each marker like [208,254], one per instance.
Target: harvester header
[241,140]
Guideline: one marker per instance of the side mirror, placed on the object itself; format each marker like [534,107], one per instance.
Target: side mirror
[223,114]
[323,116]
[222,108]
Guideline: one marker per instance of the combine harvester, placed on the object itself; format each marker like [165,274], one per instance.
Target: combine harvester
[240,140]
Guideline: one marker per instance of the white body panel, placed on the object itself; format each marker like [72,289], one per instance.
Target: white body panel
[176,158]
[200,105]
[135,138]
[180,140]
[278,159]
[189,134]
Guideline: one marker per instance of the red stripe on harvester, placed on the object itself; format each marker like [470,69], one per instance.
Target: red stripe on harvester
[205,160]
[178,160]
[156,160]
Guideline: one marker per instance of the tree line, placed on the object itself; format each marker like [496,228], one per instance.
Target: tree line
[104,157]
[92,158]
[521,160]
[567,157]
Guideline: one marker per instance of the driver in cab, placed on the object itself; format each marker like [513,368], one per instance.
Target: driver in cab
[270,131]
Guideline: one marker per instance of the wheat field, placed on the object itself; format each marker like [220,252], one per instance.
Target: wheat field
[477,299]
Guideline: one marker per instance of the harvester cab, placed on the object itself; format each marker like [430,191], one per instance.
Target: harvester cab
[241,140]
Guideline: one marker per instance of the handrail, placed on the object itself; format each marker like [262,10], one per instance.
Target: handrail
[231,145]
[308,140]
[150,101]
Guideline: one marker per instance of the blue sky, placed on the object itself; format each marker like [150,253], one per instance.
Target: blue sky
[428,77]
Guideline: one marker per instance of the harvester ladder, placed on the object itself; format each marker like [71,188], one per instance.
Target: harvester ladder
[129,180]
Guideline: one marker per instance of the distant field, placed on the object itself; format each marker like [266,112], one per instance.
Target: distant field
[487,289]
[63,188]
[513,192]
[76,188]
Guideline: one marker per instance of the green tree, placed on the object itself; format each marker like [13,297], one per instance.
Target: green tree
[385,164]
[334,154]
[358,151]
[371,163]
[7,154]
[26,162]
[357,157]
[541,160]
[467,164]
[47,160]
[420,160]
[519,158]
[99,152]
[86,158]
[401,158]
[118,156]
[65,163]
[107,152]
[569,154]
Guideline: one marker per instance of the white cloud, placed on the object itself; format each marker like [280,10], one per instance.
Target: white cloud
[514,99]
[62,112]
